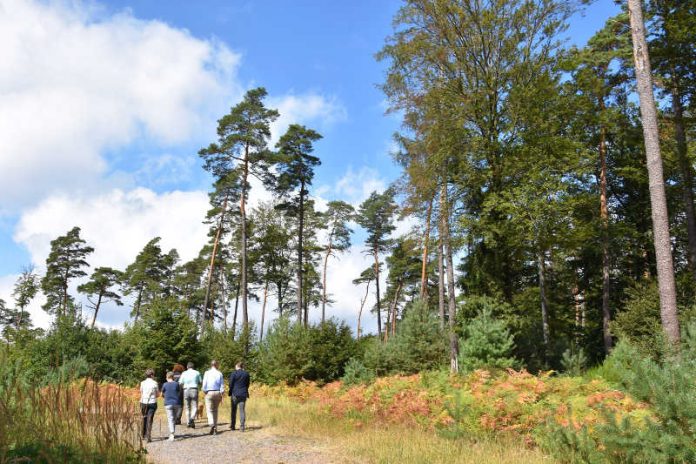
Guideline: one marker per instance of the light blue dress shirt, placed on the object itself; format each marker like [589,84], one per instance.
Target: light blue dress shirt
[213,381]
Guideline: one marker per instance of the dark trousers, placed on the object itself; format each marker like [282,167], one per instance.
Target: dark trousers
[148,412]
[241,402]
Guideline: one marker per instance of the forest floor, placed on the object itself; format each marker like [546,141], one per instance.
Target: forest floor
[285,431]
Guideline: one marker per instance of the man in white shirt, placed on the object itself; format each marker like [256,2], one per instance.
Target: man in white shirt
[213,388]
[148,402]
[190,380]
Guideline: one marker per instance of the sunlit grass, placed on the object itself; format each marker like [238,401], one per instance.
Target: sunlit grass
[68,423]
[360,441]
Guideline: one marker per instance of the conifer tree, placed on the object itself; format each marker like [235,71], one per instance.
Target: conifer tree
[336,217]
[241,151]
[65,263]
[101,286]
[295,165]
[376,216]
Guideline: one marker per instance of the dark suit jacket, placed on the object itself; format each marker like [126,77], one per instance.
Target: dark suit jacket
[239,384]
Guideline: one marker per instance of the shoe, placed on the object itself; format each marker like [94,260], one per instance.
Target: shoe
[171,437]
[243,428]
[193,425]
[232,427]
[149,439]
[212,431]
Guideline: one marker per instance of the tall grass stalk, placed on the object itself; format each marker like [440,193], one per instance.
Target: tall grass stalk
[79,422]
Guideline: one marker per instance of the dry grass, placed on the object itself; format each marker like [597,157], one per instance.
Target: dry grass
[82,422]
[360,442]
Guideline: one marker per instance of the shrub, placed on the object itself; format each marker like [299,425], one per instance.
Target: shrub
[487,342]
[669,436]
[419,344]
[574,361]
[356,373]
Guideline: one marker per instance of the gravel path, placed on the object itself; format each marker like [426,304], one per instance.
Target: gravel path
[257,444]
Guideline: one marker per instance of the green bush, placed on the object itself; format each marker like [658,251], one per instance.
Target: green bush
[356,373]
[486,342]
[419,344]
[668,385]
[291,352]
[574,361]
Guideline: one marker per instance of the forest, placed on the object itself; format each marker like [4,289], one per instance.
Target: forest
[551,192]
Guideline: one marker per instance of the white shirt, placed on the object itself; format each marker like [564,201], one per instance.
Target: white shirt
[148,391]
[213,381]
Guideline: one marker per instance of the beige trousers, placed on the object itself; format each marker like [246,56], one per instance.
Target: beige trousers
[212,403]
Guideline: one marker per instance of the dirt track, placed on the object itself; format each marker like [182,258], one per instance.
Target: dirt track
[258,444]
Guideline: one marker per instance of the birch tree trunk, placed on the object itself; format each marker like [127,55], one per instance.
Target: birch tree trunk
[541,264]
[658,199]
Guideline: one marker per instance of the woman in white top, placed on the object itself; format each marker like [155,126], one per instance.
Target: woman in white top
[148,402]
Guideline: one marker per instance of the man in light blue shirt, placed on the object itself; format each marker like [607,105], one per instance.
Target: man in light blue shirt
[190,380]
[213,388]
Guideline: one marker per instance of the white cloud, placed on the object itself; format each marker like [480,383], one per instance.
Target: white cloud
[117,224]
[311,109]
[74,85]
[356,186]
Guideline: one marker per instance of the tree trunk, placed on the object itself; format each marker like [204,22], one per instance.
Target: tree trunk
[424,264]
[211,268]
[441,276]
[375,252]
[279,288]
[138,302]
[96,309]
[263,310]
[687,178]
[300,306]
[604,219]
[658,199]
[544,304]
[362,305]
[393,310]
[452,306]
[323,297]
[236,307]
[242,210]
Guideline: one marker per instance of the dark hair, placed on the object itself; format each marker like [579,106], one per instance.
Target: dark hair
[240,364]
[150,373]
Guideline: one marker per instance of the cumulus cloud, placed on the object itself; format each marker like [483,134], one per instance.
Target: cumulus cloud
[117,223]
[310,108]
[74,85]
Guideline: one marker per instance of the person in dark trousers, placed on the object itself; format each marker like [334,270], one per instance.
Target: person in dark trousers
[148,402]
[239,391]
[177,370]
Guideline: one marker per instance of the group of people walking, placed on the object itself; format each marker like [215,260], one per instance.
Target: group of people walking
[181,392]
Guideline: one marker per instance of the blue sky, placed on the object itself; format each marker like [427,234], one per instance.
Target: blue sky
[103,106]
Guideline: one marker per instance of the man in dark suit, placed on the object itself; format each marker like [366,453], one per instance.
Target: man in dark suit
[239,391]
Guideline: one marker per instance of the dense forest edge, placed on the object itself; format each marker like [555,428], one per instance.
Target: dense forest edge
[545,295]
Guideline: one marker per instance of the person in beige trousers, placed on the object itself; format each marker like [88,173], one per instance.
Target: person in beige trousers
[213,388]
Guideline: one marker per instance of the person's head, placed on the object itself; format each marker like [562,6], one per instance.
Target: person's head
[178,368]
[150,373]
[214,364]
[189,365]
[170,376]
[240,365]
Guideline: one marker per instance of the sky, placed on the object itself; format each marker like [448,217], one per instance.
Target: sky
[105,104]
